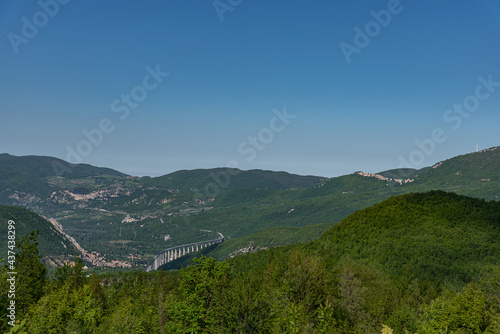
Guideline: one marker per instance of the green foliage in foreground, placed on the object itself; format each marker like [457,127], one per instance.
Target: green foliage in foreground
[296,294]
[348,281]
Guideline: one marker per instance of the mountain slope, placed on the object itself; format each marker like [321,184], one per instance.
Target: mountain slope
[434,235]
[402,173]
[129,217]
[243,212]
[54,245]
[14,181]
[28,180]
[475,174]
[208,180]
[272,237]
[417,263]
[42,166]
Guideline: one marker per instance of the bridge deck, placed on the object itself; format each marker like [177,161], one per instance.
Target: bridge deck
[172,253]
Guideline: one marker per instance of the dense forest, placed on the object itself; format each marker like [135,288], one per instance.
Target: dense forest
[416,263]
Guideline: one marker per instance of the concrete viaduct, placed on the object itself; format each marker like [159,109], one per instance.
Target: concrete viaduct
[170,254]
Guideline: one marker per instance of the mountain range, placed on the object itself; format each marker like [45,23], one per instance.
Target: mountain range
[128,219]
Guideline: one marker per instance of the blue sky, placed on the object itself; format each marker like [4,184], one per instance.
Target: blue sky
[228,79]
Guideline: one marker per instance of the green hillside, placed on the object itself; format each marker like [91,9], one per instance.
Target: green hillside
[466,169]
[13,180]
[243,212]
[423,263]
[126,217]
[402,173]
[272,237]
[40,166]
[29,181]
[418,263]
[54,245]
[476,174]
[435,236]
[207,181]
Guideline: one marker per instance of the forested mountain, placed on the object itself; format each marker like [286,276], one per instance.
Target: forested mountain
[29,181]
[475,174]
[130,218]
[221,179]
[435,236]
[40,166]
[54,245]
[415,263]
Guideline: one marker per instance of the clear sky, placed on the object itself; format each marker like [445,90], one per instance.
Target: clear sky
[309,87]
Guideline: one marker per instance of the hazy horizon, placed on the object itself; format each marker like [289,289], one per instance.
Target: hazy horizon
[314,88]
[271,170]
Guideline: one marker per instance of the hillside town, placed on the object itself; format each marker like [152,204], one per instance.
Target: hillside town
[383,178]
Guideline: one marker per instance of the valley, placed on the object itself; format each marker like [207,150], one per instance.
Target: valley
[123,221]
[402,251]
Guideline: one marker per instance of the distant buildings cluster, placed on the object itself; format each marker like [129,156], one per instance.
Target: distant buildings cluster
[100,194]
[99,260]
[381,177]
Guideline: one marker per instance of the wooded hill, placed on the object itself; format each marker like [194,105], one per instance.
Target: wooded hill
[55,247]
[123,216]
[416,263]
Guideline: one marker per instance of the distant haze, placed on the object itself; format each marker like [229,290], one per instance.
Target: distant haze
[323,88]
